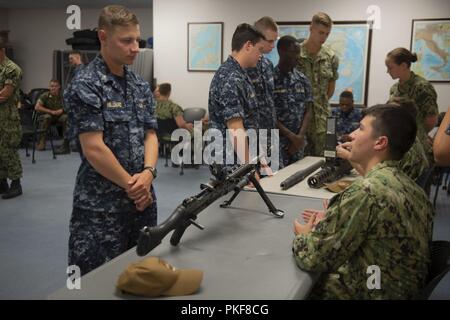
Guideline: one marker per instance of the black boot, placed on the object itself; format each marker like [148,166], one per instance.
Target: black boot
[64,148]
[15,190]
[3,186]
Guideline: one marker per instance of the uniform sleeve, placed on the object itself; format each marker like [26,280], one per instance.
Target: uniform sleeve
[13,76]
[427,101]
[43,99]
[150,121]
[335,66]
[84,106]
[231,101]
[176,110]
[336,238]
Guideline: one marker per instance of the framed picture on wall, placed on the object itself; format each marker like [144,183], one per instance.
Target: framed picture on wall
[205,46]
[430,39]
[351,41]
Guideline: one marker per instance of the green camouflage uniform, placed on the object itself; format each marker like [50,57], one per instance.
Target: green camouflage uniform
[415,161]
[10,128]
[385,220]
[166,109]
[320,70]
[424,95]
[52,103]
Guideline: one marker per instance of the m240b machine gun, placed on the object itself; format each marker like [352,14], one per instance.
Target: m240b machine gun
[225,180]
[334,168]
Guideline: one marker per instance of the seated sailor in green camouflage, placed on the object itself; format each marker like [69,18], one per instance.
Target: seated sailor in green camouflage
[373,242]
[50,104]
[166,108]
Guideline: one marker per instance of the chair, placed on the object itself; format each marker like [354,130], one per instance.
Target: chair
[440,180]
[30,121]
[190,115]
[193,114]
[164,132]
[440,266]
[425,179]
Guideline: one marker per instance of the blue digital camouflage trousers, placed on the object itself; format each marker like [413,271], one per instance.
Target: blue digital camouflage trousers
[97,237]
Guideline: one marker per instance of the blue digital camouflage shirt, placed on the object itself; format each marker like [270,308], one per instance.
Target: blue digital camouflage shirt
[346,122]
[292,92]
[263,82]
[95,101]
[232,95]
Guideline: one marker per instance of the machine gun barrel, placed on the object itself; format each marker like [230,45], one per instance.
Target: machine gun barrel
[331,171]
[300,175]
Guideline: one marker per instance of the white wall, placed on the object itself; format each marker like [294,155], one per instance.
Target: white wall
[190,89]
[35,33]
[3,19]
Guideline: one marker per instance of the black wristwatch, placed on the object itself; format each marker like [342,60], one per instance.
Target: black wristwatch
[152,170]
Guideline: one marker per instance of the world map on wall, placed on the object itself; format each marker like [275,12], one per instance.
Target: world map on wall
[205,47]
[431,42]
[350,42]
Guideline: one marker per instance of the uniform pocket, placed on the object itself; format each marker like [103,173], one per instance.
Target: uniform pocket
[116,115]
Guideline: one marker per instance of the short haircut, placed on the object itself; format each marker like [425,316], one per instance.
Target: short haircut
[323,19]
[397,124]
[346,94]
[165,89]
[400,55]
[115,15]
[55,81]
[286,42]
[266,23]
[404,102]
[75,52]
[243,33]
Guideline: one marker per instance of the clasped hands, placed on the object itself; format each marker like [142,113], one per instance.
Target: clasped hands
[138,189]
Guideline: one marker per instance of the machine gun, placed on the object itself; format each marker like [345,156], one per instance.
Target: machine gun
[224,180]
[334,168]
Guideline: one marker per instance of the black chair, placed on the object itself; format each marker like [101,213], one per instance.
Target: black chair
[440,266]
[426,179]
[30,122]
[439,180]
[164,132]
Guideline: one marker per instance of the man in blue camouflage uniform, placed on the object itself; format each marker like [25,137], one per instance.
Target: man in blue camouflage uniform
[232,100]
[382,222]
[293,99]
[262,77]
[347,116]
[112,116]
